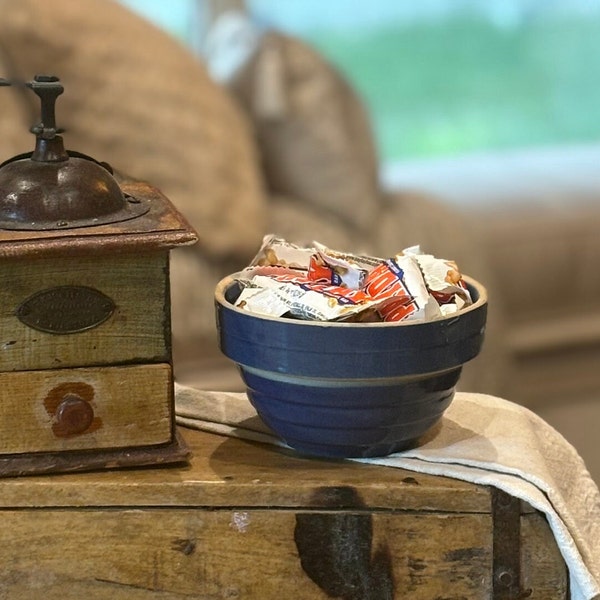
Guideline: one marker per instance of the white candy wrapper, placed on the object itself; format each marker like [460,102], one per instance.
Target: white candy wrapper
[276,251]
[442,277]
[347,270]
[301,298]
[261,301]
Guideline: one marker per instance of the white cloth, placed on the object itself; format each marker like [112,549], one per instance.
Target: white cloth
[481,439]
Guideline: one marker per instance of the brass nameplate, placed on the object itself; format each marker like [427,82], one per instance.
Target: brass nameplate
[65,309]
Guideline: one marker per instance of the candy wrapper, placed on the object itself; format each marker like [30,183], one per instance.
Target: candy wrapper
[277,252]
[340,268]
[399,286]
[318,263]
[318,283]
[302,298]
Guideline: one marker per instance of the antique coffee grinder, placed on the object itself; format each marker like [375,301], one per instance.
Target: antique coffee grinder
[86,378]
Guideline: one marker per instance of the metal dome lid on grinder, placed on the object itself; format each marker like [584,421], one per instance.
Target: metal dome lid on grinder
[86,368]
[52,188]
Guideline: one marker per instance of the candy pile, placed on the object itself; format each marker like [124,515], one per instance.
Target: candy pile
[317,283]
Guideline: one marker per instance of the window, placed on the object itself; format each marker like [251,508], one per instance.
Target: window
[448,77]
[178,17]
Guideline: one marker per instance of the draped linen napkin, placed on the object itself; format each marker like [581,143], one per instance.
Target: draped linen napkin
[481,439]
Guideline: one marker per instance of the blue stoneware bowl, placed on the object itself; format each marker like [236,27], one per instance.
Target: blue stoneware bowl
[349,389]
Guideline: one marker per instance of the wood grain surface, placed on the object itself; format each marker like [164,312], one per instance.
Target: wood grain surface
[138,330]
[244,520]
[132,406]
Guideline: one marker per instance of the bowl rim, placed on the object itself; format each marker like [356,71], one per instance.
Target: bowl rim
[224,284]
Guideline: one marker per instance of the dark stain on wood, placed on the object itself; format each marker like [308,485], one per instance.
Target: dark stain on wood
[185,546]
[416,564]
[416,575]
[336,548]
[337,497]
[410,481]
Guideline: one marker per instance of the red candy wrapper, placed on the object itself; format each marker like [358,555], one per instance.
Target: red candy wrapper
[399,284]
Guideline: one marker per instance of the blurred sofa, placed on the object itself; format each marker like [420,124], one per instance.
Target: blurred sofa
[283,144]
[526,224]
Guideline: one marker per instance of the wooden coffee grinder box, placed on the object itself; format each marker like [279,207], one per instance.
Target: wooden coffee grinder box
[86,378]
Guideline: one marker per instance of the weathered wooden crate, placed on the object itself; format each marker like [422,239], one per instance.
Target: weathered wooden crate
[244,520]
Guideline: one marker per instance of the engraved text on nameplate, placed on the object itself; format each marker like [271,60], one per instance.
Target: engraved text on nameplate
[65,309]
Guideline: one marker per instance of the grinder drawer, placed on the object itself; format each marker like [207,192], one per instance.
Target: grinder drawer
[85,409]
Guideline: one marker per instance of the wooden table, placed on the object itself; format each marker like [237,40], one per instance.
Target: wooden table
[244,520]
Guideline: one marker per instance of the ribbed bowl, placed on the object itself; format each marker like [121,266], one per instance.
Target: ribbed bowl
[349,389]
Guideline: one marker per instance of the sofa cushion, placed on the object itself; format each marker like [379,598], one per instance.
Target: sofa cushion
[525,224]
[315,137]
[531,219]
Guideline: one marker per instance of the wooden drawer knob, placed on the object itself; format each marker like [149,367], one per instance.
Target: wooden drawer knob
[73,415]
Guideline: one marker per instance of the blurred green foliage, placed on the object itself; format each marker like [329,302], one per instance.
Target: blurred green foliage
[463,84]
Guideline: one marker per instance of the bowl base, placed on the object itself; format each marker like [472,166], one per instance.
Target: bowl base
[373,451]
